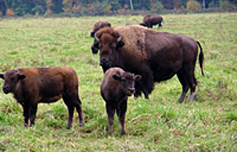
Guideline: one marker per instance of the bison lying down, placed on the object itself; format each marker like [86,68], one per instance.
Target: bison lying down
[116,86]
[156,56]
[31,86]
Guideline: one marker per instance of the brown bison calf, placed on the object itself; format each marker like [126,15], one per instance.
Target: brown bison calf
[150,20]
[31,86]
[116,86]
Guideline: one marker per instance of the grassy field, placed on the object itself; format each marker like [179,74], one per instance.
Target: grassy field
[157,124]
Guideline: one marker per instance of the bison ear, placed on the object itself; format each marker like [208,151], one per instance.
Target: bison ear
[21,76]
[2,76]
[138,77]
[120,43]
[116,77]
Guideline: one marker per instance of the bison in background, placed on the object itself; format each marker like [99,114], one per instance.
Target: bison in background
[116,86]
[98,25]
[156,56]
[151,20]
[31,86]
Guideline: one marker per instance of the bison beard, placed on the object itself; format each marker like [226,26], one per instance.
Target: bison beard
[156,56]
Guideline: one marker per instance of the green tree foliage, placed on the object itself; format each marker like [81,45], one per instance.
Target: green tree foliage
[56,6]
[98,7]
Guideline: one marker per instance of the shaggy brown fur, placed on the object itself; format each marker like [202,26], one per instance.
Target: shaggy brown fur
[157,56]
[31,86]
[116,86]
[99,25]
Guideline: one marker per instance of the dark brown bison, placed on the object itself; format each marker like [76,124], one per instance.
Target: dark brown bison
[156,56]
[31,86]
[98,25]
[151,20]
[116,86]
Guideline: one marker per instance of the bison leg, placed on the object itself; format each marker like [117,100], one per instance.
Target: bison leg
[147,84]
[185,85]
[26,115]
[110,113]
[79,111]
[33,111]
[189,72]
[160,25]
[121,113]
[138,92]
[70,107]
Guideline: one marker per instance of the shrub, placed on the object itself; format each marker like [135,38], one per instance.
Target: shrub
[157,7]
[226,6]
[97,9]
[10,12]
[193,5]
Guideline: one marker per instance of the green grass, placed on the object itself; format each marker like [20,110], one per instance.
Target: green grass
[157,124]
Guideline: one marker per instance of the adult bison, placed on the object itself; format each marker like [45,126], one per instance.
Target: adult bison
[151,20]
[31,86]
[156,56]
[98,25]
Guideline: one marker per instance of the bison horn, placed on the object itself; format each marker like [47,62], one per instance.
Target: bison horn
[96,38]
[119,38]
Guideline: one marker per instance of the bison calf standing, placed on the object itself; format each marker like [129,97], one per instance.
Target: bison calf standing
[116,86]
[31,86]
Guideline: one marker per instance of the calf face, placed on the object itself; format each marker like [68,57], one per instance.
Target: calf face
[127,82]
[11,79]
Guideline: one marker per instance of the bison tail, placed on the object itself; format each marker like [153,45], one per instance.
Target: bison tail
[201,57]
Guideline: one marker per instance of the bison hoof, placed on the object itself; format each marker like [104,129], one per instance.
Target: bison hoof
[81,124]
[68,127]
[123,133]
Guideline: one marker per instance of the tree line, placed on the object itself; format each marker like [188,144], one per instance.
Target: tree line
[101,7]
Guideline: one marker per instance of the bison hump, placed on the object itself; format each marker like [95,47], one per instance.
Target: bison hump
[134,39]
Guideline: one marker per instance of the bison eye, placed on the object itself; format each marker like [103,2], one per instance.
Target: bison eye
[13,79]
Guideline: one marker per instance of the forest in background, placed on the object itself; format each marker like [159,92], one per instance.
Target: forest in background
[10,8]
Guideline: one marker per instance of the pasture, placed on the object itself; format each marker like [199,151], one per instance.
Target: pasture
[158,124]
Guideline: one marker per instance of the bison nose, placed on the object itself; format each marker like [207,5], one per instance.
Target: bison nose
[6,89]
[104,62]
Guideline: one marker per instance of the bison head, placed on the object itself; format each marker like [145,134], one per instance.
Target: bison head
[127,81]
[110,42]
[11,78]
[142,24]
[97,26]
